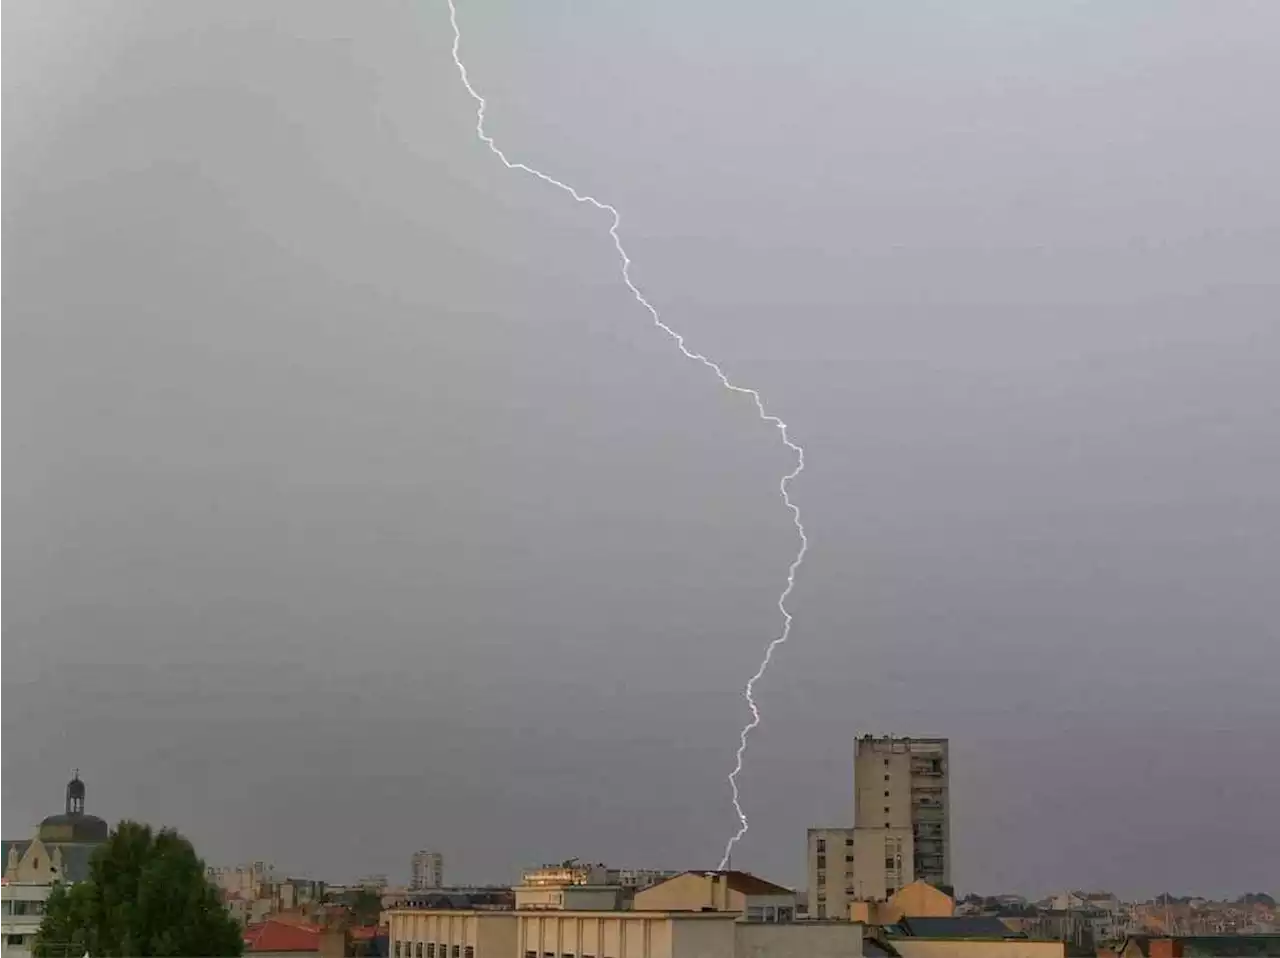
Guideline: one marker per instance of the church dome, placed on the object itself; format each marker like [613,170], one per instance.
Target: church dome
[74,828]
[74,825]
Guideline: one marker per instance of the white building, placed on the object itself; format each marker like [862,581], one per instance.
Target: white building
[426,871]
[23,910]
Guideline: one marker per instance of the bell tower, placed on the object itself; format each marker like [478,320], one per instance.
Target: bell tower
[75,795]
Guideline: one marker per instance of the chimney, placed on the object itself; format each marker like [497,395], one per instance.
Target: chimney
[333,943]
[1166,948]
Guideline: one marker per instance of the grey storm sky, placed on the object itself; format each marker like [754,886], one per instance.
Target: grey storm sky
[352,506]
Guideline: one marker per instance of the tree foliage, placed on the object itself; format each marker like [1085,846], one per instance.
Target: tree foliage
[146,895]
[366,909]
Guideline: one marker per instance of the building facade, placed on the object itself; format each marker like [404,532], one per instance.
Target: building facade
[426,871]
[904,783]
[845,865]
[720,891]
[622,934]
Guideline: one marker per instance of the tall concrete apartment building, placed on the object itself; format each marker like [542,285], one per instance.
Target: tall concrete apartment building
[904,783]
[901,831]
[426,871]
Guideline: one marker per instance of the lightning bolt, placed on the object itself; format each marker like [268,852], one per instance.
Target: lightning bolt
[748,691]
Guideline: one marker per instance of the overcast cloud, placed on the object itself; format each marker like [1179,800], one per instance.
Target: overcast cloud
[352,507]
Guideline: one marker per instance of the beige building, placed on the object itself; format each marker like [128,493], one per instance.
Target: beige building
[916,900]
[856,864]
[904,783]
[570,886]
[624,934]
[723,891]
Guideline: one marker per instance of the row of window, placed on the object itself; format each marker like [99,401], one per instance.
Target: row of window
[821,843]
[20,906]
[412,949]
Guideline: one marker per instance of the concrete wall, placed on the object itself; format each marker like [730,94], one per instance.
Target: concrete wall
[809,939]
[569,898]
[702,939]
[872,876]
[692,891]
[613,935]
[486,934]
[977,948]
[828,886]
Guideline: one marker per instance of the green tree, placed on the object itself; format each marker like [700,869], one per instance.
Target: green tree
[146,895]
[366,909]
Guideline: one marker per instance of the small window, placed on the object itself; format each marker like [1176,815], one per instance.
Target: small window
[886,809]
[889,863]
[822,911]
[886,794]
[457,951]
[886,763]
[397,950]
[417,949]
[469,951]
[848,858]
[431,950]
[848,843]
[890,890]
[530,954]
[822,845]
[886,778]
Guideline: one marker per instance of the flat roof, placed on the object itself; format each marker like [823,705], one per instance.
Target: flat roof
[576,912]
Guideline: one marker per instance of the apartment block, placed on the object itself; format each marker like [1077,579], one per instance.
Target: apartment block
[856,864]
[426,871]
[904,783]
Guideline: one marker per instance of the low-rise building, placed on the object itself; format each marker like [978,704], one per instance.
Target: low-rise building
[623,934]
[23,904]
[724,891]
[917,900]
[570,886]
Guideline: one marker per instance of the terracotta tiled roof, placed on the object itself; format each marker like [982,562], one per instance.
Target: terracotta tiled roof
[273,935]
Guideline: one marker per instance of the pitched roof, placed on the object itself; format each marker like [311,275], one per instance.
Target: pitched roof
[975,926]
[75,859]
[272,935]
[746,883]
